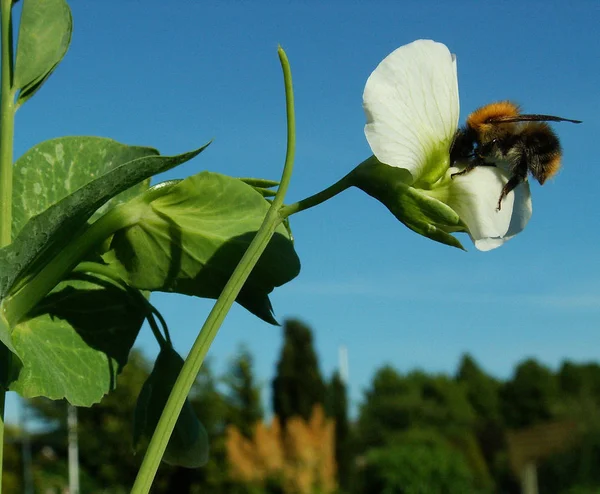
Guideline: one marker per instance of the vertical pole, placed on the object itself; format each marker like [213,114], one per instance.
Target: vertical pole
[529,484]
[26,451]
[73,450]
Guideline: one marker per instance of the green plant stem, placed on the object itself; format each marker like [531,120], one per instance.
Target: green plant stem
[193,362]
[151,311]
[20,303]
[163,323]
[318,198]
[7,122]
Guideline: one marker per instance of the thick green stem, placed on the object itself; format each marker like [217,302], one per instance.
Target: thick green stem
[25,299]
[209,330]
[7,122]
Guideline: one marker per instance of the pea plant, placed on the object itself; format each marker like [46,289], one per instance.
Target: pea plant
[85,238]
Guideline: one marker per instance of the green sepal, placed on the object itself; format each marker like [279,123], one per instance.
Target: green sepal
[414,208]
[188,446]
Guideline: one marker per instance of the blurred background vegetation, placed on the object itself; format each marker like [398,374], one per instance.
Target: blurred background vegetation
[413,433]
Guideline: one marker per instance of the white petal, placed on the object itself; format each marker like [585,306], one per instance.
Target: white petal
[411,104]
[474,196]
[522,209]
[521,213]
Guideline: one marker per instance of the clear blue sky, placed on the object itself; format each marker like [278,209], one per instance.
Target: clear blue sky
[176,74]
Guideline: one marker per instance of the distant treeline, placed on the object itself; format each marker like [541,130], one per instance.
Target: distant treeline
[416,433]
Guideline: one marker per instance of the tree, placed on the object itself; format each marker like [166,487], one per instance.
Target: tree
[298,385]
[483,393]
[245,408]
[12,479]
[337,408]
[395,403]
[530,396]
[482,390]
[419,462]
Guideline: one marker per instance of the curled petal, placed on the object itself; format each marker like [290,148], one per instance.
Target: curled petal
[411,104]
[521,213]
[474,196]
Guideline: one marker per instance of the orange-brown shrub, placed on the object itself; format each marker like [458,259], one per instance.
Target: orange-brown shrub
[301,455]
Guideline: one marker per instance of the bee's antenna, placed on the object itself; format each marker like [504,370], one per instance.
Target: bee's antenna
[531,118]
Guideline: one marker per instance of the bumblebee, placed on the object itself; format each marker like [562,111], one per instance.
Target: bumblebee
[499,134]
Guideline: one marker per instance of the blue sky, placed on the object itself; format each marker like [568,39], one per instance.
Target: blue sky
[176,74]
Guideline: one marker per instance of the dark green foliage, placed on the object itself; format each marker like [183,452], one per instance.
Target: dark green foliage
[245,408]
[298,385]
[12,478]
[482,390]
[188,445]
[575,470]
[337,408]
[580,381]
[530,396]
[419,462]
[483,393]
[396,403]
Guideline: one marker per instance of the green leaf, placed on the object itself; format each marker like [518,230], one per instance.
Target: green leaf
[77,341]
[188,446]
[53,169]
[44,37]
[190,238]
[50,231]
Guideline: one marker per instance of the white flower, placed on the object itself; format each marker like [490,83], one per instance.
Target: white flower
[412,108]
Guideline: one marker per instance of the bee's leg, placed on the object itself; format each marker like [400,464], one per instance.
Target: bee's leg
[471,166]
[510,185]
[465,170]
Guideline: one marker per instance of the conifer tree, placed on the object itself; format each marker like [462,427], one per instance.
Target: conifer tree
[337,409]
[482,390]
[298,385]
[245,407]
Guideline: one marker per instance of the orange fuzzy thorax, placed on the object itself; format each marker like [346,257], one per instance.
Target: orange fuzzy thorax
[479,119]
